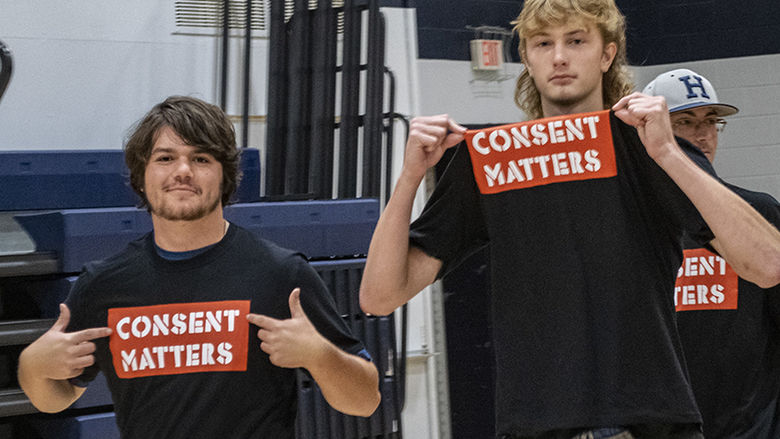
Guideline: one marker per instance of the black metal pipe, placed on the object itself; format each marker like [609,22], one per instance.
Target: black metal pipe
[298,125]
[247,77]
[323,95]
[372,131]
[276,121]
[225,50]
[389,131]
[402,361]
[7,67]
[350,95]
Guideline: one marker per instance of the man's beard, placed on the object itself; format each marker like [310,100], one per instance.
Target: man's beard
[187,214]
[568,101]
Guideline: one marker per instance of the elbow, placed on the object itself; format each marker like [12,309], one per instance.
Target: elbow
[376,399]
[371,302]
[369,407]
[765,275]
[771,276]
[775,275]
[44,408]
[369,401]
[46,404]
[364,410]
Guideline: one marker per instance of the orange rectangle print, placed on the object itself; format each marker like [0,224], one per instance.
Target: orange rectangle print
[543,151]
[705,281]
[179,338]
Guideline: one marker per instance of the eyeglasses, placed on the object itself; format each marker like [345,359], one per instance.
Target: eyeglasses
[688,125]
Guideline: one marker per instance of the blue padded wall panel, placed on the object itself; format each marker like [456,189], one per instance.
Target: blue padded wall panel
[82,235]
[75,179]
[319,229]
[63,179]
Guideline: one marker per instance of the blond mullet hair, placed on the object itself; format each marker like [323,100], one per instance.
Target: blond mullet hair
[604,14]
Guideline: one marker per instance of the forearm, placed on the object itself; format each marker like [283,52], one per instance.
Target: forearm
[47,395]
[742,236]
[349,383]
[386,276]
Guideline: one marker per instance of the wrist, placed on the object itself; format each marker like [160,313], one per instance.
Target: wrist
[320,357]
[410,179]
[29,370]
[667,155]
[27,361]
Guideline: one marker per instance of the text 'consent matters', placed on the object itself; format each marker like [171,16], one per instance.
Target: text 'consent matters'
[179,338]
[543,151]
[705,281]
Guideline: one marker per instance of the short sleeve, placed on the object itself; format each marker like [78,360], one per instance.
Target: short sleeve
[451,226]
[320,308]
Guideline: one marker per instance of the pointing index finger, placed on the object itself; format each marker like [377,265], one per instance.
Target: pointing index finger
[91,334]
[261,320]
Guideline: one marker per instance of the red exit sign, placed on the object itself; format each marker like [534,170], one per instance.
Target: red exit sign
[487,54]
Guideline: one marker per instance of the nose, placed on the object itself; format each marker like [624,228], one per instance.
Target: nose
[183,169]
[559,55]
[703,130]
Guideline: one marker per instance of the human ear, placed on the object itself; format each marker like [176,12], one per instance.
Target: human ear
[524,59]
[608,55]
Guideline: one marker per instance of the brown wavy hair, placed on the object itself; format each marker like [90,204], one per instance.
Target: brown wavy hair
[199,124]
[538,14]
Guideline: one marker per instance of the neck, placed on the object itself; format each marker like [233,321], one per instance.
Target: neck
[179,236]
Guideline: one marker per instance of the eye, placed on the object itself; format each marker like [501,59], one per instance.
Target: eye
[202,159]
[163,158]
[576,41]
[683,122]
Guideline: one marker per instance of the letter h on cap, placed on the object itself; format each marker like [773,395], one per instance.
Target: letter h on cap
[690,85]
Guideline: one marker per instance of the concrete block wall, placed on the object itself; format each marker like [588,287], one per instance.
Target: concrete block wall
[749,148]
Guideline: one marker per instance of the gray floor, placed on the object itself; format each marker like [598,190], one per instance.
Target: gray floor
[13,239]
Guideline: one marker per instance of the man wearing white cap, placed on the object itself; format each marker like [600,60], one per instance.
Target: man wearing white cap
[729,327]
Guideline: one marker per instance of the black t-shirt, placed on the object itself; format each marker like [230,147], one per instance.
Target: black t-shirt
[733,355]
[582,278]
[257,402]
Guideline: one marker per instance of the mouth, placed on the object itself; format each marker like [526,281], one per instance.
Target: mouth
[562,79]
[189,189]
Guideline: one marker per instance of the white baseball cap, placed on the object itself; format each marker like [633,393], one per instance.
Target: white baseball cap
[684,89]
